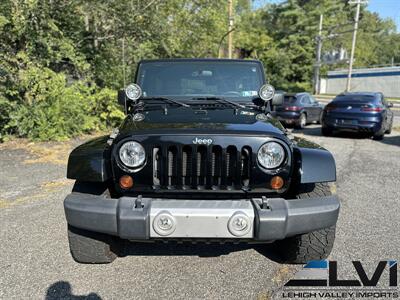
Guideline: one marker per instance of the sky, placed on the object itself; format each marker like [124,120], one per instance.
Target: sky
[385,8]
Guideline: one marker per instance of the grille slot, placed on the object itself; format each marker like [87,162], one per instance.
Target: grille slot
[172,166]
[216,167]
[156,166]
[186,166]
[201,167]
[231,165]
[245,166]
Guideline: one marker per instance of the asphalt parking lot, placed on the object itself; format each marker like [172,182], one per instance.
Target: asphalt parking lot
[35,262]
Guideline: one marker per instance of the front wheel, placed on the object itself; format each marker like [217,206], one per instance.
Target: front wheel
[326,131]
[314,245]
[302,122]
[321,115]
[378,137]
[92,247]
[389,130]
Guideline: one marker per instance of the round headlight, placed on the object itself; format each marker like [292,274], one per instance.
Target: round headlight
[133,91]
[271,155]
[266,92]
[132,154]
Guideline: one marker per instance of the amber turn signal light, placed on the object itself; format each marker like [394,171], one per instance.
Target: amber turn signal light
[277,182]
[126,182]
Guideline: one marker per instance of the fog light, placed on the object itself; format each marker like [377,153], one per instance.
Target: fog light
[164,224]
[126,182]
[277,182]
[239,224]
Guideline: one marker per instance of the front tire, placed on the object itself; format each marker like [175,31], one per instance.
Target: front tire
[321,115]
[378,137]
[92,247]
[326,131]
[87,246]
[302,121]
[314,245]
[389,130]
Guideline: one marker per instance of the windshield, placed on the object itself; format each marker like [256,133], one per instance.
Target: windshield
[237,81]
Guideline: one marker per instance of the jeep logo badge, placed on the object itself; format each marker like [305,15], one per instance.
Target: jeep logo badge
[199,141]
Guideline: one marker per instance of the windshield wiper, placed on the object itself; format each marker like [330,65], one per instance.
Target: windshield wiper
[167,100]
[220,100]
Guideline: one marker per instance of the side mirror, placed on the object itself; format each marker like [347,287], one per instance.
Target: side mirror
[390,104]
[277,99]
[122,97]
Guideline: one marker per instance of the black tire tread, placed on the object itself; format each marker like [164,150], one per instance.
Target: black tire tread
[378,137]
[326,131]
[91,247]
[313,245]
[298,124]
[389,130]
[319,121]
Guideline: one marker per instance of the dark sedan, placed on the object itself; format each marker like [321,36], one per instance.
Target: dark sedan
[299,110]
[362,112]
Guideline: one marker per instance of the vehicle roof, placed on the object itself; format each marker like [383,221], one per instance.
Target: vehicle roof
[296,94]
[199,59]
[359,94]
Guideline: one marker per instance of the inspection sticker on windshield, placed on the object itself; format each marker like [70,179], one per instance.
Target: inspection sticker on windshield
[247,113]
[249,93]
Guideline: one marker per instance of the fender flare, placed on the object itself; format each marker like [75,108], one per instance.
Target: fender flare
[90,161]
[316,165]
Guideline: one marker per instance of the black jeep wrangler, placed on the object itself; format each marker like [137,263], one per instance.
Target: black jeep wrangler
[200,157]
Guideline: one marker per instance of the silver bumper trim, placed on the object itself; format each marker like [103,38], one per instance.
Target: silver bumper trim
[201,218]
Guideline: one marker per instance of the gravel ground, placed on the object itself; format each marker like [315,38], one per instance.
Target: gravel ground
[35,262]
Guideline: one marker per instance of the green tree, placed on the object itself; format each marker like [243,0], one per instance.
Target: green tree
[61,61]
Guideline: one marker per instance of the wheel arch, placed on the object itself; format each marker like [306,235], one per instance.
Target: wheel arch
[90,161]
[315,165]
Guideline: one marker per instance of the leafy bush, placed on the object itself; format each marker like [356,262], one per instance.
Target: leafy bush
[53,110]
[6,108]
[106,110]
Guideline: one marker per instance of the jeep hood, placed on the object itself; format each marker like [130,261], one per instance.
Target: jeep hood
[192,121]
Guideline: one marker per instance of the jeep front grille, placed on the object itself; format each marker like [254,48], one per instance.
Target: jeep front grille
[201,167]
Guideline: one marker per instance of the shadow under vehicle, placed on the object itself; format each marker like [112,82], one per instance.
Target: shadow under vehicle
[200,158]
[363,112]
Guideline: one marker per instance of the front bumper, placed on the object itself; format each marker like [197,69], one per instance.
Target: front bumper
[367,125]
[134,218]
[288,116]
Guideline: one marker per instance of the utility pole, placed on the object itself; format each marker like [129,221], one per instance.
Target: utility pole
[353,44]
[230,28]
[317,66]
[123,61]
